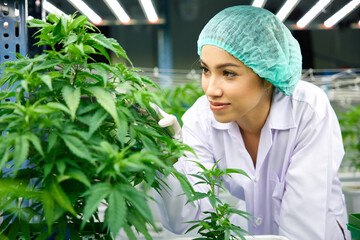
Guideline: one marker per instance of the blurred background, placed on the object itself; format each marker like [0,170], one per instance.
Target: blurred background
[160,36]
[179,23]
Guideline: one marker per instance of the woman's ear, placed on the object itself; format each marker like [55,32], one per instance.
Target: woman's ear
[267,84]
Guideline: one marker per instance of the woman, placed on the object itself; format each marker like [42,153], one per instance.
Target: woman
[258,116]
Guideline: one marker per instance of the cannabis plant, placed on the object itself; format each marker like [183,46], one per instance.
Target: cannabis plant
[77,133]
[216,224]
[350,129]
[179,99]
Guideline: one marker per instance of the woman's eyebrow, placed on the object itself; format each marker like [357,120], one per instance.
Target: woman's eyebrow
[221,65]
[202,62]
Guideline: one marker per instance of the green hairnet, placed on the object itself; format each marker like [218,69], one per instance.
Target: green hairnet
[260,40]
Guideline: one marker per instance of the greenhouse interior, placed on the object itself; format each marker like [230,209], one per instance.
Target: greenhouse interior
[180,119]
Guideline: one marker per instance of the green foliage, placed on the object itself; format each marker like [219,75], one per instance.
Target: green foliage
[350,129]
[217,224]
[179,99]
[77,133]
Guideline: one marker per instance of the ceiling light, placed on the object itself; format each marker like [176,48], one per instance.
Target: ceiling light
[259,3]
[312,13]
[86,10]
[343,12]
[149,10]
[118,11]
[52,9]
[286,9]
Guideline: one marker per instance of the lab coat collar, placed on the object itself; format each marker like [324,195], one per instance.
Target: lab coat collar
[281,112]
[280,116]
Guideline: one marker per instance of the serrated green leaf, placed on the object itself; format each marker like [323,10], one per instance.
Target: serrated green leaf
[200,195]
[67,69]
[61,166]
[102,69]
[24,84]
[53,18]
[80,20]
[52,139]
[64,24]
[61,198]
[43,109]
[47,168]
[122,128]
[47,80]
[120,51]
[212,200]
[5,149]
[106,100]
[76,49]
[21,151]
[199,177]
[48,208]
[4,95]
[150,175]
[240,213]
[59,106]
[185,185]
[45,65]
[70,39]
[72,99]
[38,23]
[76,146]
[13,106]
[129,232]
[115,215]
[89,49]
[199,165]
[227,234]
[138,199]
[14,230]
[35,142]
[149,143]
[239,171]
[25,230]
[57,32]
[103,41]
[98,193]
[139,222]
[240,232]
[96,120]
[102,51]
[79,175]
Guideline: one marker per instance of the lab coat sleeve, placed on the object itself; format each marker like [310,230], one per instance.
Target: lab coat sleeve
[308,181]
[172,209]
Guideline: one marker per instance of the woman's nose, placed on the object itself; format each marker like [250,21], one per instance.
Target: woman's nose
[213,88]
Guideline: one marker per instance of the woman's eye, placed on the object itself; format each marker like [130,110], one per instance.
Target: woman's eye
[229,74]
[204,69]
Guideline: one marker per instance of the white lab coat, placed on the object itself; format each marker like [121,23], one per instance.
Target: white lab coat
[294,189]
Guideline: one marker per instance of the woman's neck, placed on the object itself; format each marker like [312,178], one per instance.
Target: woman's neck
[253,121]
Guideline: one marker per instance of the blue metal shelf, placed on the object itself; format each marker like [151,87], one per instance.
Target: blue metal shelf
[13,31]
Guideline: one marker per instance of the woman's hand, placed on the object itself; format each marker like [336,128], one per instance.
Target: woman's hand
[168,122]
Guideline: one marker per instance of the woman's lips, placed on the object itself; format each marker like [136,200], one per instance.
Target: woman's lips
[218,106]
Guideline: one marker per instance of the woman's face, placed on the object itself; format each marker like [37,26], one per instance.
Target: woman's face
[234,91]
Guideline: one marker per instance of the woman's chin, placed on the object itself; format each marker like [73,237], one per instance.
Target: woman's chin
[222,119]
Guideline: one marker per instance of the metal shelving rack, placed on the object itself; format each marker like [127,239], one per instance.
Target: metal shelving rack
[13,32]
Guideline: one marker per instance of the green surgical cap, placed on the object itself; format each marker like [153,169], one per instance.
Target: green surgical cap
[260,40]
